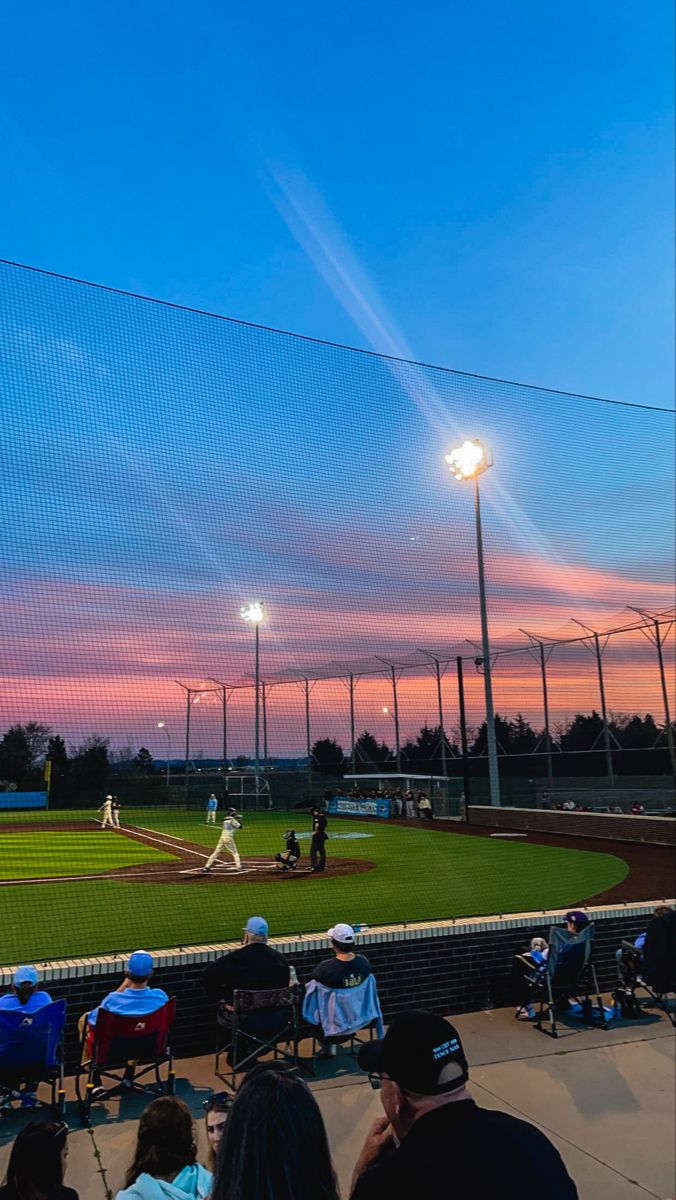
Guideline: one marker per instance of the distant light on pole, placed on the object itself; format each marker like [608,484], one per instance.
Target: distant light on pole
[469,461]
[254,612]
[163,725]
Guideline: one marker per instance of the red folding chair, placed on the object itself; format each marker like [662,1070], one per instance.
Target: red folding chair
[133,1045]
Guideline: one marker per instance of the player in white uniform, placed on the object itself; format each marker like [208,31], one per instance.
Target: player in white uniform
[107,810]
[227,841]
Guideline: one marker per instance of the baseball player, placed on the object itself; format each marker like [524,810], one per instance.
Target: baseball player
[226,841]
[107,810]
[212,809]
[288,860]
[116,812]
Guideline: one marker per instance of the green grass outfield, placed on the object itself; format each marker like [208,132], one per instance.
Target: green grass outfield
[420,874]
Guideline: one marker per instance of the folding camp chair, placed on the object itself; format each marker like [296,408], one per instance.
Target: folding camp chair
[331,1008]
[31,1050]
[125,1044]
[569,974]
[658,965]
[255,1030]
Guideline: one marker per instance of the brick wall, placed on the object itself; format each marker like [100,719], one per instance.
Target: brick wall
[656,830]
[448,968]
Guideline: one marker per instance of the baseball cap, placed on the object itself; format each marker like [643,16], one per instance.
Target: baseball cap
[342,933]
[25,975]
[258,926]
[140,963]
[421,1052]
[578,918]
[290,833]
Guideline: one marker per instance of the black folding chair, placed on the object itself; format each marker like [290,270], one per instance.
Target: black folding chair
[262,1021]
[569,975]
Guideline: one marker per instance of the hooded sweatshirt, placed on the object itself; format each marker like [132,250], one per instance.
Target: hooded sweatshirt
[192,1183]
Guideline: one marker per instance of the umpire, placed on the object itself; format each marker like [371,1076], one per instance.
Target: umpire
[319,839]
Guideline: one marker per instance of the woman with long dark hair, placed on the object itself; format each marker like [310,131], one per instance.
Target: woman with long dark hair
[37,1164]
[165,1157]
[275,1145]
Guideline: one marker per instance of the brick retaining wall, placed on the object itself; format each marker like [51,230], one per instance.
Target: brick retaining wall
[656,830]
[446,967]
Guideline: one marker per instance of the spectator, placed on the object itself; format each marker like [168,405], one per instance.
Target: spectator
[409,805]
[133,998]
[165,1157]
[344,969]
[434,1139]
[216,1110]
[275,1145]
[637,809]
[349,976]
[659,952]
[254,967]
[527,970]
[37,1164]
[24,993]
[25,996]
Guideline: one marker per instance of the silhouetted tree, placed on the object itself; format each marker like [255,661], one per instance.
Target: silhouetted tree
[328,756]
[89,766]
[143,763]
[15,754]
[371,753]
[57,755]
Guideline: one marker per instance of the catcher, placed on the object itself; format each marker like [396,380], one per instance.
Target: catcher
[288,860]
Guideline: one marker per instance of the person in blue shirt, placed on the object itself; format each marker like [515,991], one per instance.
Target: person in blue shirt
[212,809]
[25,995]
[133,998]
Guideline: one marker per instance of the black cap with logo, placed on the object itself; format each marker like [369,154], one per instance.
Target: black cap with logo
[421,1052]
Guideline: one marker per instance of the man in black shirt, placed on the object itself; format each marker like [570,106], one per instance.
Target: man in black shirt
[434,1139]
[345,969]
[254,967]
[319,839]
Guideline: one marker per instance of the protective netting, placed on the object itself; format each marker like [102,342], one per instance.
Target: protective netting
[162,466]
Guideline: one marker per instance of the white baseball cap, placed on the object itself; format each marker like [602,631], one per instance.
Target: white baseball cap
[342,933]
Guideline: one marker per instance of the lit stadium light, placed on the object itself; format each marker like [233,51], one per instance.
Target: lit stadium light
[163,726]
[254,612]
[468,460]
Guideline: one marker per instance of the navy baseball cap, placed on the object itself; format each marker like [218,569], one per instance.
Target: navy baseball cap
[578,918]
[421,1052]
[25,975]
[140,963]
[258,926]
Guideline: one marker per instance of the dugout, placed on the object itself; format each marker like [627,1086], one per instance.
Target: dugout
[444,792]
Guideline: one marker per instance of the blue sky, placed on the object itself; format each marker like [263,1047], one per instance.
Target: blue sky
[487,189]
[502,176]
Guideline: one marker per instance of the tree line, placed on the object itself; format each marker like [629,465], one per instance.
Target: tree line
[638,744]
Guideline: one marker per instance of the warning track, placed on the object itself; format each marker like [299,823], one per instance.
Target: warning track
[190,858]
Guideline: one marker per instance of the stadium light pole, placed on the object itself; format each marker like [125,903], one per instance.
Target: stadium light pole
[163,726]
[466,462]
[254,613]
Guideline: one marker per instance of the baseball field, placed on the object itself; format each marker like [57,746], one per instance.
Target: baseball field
[71,889]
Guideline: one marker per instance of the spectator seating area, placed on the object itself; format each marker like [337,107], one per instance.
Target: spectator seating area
[337,1009]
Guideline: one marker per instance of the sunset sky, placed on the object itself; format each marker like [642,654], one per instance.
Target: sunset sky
[485,188]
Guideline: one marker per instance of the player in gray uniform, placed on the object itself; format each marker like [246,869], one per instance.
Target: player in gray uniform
[226,841]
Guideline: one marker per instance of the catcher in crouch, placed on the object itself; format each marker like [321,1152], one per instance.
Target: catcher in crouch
[288,860]
[226,841]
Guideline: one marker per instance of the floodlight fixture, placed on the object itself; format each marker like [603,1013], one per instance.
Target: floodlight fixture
[253,611]
[469,459]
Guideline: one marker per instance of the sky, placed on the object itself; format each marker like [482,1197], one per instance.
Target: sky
[486,189]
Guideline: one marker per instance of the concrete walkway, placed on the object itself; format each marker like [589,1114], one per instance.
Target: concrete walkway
[606,1098]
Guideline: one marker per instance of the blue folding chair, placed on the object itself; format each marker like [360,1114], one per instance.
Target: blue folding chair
[31,1051]
[569,975]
